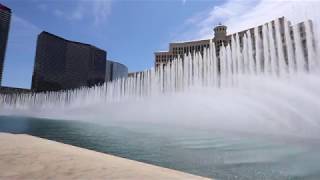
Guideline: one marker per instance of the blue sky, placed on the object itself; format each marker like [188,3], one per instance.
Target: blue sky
[129,30]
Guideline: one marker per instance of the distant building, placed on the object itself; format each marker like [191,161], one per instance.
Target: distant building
[62,64]
[5,17]
[135,74]
[115,71]
[222,39]
[179,49]
[12,90]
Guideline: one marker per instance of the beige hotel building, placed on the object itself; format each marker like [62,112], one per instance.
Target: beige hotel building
[221,38]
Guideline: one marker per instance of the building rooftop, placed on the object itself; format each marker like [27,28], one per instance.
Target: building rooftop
[3,7]
[183,42]
[189,41]
[177,43]
[114,61]
[76,42]
[220,25]
[161,52]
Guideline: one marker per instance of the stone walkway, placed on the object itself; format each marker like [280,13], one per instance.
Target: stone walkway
[28,157]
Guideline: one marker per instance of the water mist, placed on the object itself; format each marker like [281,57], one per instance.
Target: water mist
[255,84]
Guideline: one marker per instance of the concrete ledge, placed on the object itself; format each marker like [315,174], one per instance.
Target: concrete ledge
[28,157]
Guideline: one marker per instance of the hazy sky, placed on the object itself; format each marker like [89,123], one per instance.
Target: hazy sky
[129,30]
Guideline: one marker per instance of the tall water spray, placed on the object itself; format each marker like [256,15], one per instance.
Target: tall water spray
[275,52]
[260,50]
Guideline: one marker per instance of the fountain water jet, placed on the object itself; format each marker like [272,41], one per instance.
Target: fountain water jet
[228,87]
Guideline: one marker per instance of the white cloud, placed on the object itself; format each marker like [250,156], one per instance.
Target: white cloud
[96,11]
[222,13]
[43,7]
[99,10]
[266,10]
[77,13]
[239,15]
[58,13]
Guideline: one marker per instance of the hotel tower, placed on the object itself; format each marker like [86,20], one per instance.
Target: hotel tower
[5,16]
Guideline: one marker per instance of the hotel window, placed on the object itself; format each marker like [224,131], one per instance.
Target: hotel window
[301,28]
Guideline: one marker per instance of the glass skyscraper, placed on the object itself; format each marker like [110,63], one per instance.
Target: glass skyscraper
[5,16]
[61,64]
[115,71]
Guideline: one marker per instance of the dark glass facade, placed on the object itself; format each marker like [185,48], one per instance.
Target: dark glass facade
[5,17]
[115,71]
[62,64]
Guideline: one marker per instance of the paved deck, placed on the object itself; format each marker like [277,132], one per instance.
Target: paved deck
[28,157]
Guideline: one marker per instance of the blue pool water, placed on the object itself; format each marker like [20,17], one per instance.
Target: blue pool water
[209,153]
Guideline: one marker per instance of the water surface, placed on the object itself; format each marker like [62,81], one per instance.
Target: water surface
[203,152]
